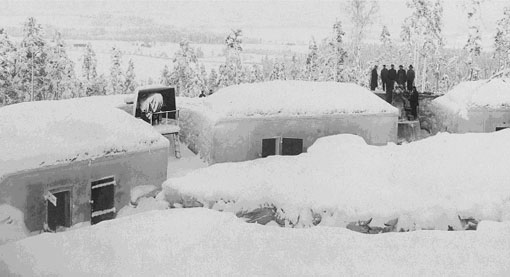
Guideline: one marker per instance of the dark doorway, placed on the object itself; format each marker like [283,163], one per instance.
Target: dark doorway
[102,204]
[270,147]
[292,146]
[500,128]
[59,214]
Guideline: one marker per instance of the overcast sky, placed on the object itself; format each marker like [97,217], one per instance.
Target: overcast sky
[284,21]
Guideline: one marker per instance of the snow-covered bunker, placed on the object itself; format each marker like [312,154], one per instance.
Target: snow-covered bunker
[477,106]
[247,121]
[70,161]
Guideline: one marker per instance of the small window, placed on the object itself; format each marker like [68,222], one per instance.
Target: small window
[292,146]
[500,128]
[282,146]
[270,147]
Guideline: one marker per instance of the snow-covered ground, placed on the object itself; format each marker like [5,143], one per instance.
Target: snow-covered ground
[199,242]
[426,184]
[12,226]
[35,134]
[188,161]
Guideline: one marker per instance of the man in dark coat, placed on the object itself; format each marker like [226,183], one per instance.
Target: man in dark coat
[410,78]
[384,77]
[392,76]
[373,80]
[413,101]
[401,76]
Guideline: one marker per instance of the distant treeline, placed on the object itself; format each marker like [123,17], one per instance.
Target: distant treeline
[128,28]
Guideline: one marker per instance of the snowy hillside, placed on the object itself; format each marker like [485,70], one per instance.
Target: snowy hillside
[199,242]
[36,134]
[426,184]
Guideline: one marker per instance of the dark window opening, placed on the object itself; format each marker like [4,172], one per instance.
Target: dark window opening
[500,128]
[282,146]
[292,146]
[270,147]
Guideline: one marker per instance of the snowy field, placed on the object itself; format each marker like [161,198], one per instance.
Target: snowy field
[199,242]
[425,184]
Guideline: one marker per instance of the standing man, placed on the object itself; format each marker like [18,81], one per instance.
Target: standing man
[392,76]
[410,78]
[373,80]
[414,102]
[384,77]
[401,76]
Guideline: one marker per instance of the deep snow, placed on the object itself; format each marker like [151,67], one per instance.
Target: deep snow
[492,94]
[199,242]
[12,225]
[426,184]
[43,133]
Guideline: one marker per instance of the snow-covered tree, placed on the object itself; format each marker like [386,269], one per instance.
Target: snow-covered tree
[247,75]
[422,30]
[474,43]
[62,82]
[339,54]
[212,81]
[267,67]
[502,40]
[385,36]
[295,68]
[89,63]
[166,76]
[185,75]
[8,93]
[362,14]
[130,83]
[116,76]
[312,70]
[32,56]
[258,75]
[204,84]
[278,72]
[233,65]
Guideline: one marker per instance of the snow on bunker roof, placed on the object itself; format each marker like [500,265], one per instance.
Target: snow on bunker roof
[295,98]
[491,94]
[37,134]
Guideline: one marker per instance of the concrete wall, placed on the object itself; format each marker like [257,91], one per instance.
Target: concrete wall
[241,139]
[25,190]
[478,121]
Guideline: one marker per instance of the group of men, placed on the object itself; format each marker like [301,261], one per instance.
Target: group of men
[390,76]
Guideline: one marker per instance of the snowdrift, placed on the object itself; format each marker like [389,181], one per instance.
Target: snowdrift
[199,242]
[492,94]
[37,134]
[12,226]
[425,184]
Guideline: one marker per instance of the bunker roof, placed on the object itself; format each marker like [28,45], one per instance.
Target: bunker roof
[43,133]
